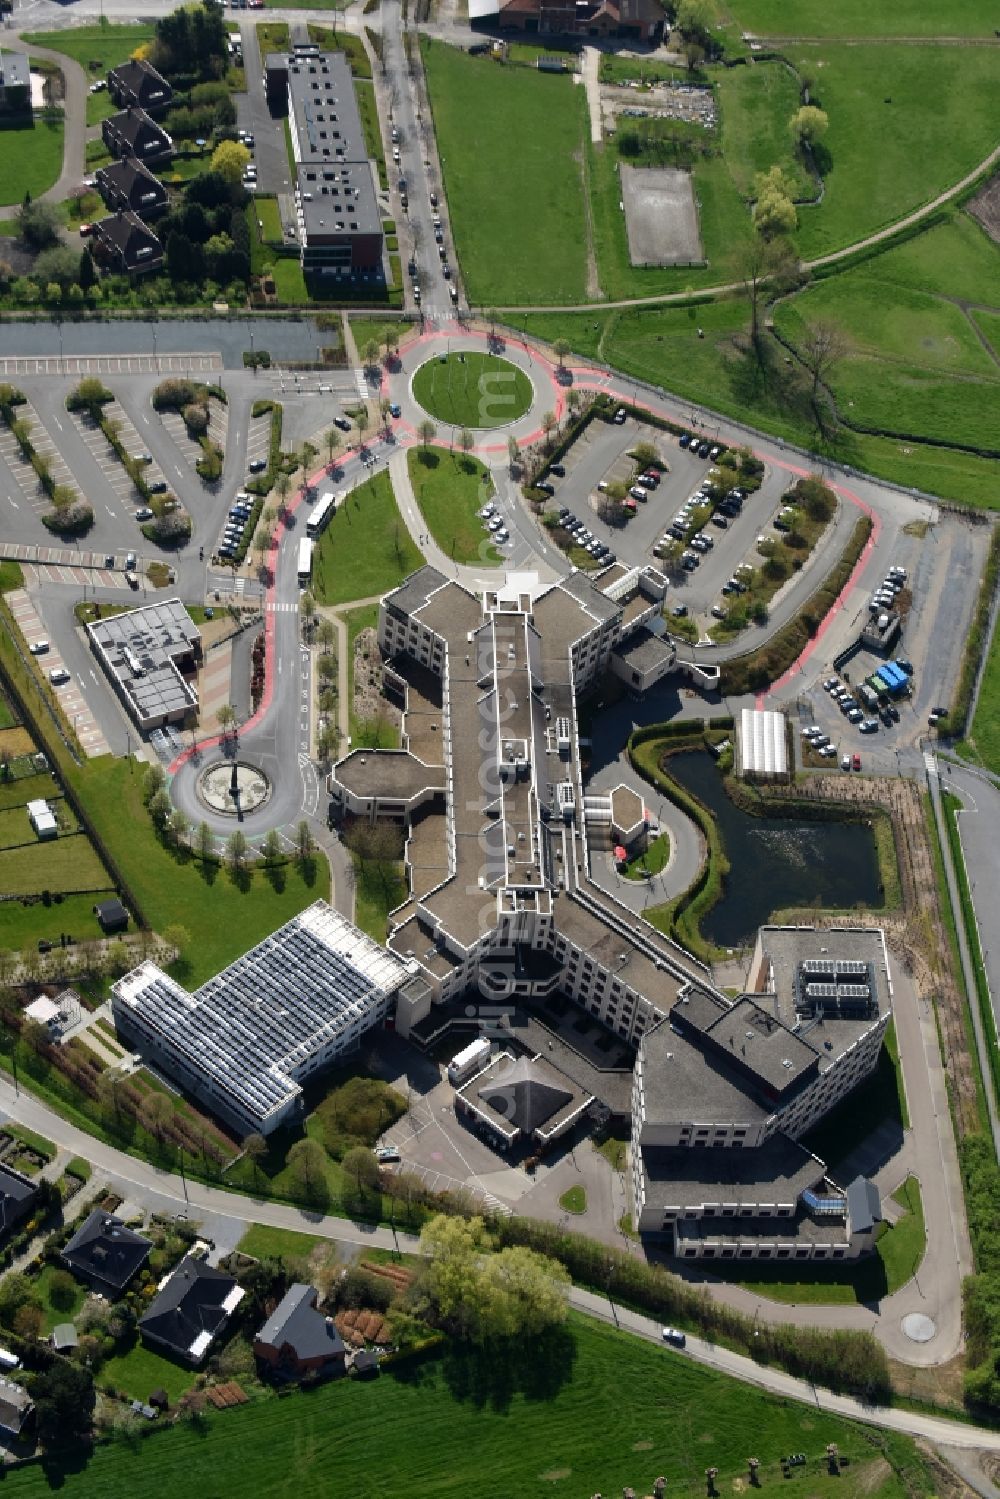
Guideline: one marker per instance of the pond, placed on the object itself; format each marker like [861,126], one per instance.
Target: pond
[777,861]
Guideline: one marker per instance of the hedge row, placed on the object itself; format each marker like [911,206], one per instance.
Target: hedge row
[977,642]
[266,481]
[757,669]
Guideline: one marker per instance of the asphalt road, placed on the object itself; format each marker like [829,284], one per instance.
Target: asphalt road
[979,830]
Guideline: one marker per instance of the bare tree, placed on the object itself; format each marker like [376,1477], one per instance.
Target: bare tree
[823,347]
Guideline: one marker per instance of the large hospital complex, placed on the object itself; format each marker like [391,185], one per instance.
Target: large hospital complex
[507,936]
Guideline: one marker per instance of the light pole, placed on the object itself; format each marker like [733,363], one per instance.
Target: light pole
[614,1312]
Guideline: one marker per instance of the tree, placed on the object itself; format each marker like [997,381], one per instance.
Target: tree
[326,635]
[153,781]
[549,424]
[427,432]
[645,455]
[176,936]
[16,1290]
[808,125]
[562,349]
[513,452]
[255,1148]
[304,843]
[62,1290]
[230,160]
[226,715]
[823,347]
[361,421]
[87,274]
[774,212]
[370,354]
[482,1296]
[694,21]
[64,1399]
[159,809]
[307,608]
[236,851]
[466,441]
[38,224]
[332,440]
[307,1160]
[307,456]
[154,1111]
[271,847]
[361,1167]
[206,842]
[177,826]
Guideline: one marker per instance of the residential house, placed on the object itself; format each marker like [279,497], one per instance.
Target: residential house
[137,83]
[190,1309]
[16,1407]
[135,133]
[128,185]
[15,84]
[18,1195]
[122,242]
[105,1253]
[297,1340]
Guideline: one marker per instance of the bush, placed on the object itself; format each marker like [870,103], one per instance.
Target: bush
[70,520]
[170,528]
[195,418]
[356,1113]
[174,395]
[62,1290]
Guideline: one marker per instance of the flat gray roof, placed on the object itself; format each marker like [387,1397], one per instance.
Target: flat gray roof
[139,650]
[644,651]
[776,1172]
[784,948]
[684,1084]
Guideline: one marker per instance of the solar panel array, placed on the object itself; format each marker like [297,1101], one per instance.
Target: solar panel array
[843,987]
[251,1029]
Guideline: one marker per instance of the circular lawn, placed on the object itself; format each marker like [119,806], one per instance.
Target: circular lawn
[472,390]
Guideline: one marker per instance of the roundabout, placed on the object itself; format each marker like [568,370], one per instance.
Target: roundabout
[472,389]
[232,788]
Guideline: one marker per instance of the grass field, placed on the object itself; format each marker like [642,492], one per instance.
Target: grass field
[222,916]
[378,889]
[97,49]
[30,158]
[574,1200]
[587,1412]
[65,864]
[984,734]
[141,1371]
[365,328]
[366,549]
[866,189]
[514,179]
[262,1242]
[269,217]
[450,489]
[54,1315]
[472,390]
[755,105]
[858,18]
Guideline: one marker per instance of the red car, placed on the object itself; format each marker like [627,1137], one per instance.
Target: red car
[855,762]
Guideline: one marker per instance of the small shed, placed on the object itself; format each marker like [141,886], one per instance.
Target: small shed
[112,915]
[42,819]
[64,1337]
[365,1363]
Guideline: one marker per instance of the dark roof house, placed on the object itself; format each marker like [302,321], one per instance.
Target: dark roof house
[128,184]
[104,1250]
[297,1339]
[136,82]
[18,1195]
[124,242]
[16,1406]
[134,133]
[190,1309]
[111,914]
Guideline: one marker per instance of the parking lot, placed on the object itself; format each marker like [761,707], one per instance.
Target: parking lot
[66,688]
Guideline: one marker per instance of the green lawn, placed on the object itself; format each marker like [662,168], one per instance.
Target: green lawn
[652,861]
[755,105]
[859,18]
[140,1371]
[262,1242]
[52,1314]
[15,827]
[365,328]
[66,864]
[222,917]
[898,1252]
[510,141]
[268,215]
[97,49]
[865,188]
[587,1410]
[366,549]
[450,489]
[378,889]
[26,789]
[574,1200]
[984,734]
[476,390]
[30,158]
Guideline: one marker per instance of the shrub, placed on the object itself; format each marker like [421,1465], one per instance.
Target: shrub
[174,395]
[356,1113]
[195,418]
[70,520]
[62,1290]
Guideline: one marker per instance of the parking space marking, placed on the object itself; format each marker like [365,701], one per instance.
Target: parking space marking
[110,364]
[70,698]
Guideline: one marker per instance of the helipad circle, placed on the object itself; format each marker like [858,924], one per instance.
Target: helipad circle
[472,389]
[918,1328]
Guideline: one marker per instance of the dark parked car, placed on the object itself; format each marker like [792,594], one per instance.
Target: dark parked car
[558,469]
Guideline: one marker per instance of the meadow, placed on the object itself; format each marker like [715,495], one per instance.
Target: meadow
[366,548]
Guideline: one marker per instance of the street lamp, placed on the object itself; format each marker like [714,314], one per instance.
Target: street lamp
[611,1271]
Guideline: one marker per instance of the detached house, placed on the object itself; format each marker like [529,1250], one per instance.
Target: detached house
[297,1340]
[128,185]
[136,82]
[134,133]
[124,243]
[105,1253]
[190,1309]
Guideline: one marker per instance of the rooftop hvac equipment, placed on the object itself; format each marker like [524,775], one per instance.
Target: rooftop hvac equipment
[566,799]
[851,966]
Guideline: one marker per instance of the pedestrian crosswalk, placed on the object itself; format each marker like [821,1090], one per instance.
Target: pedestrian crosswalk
[274,606]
